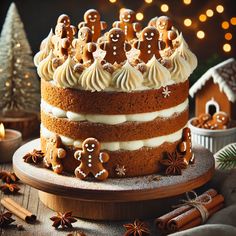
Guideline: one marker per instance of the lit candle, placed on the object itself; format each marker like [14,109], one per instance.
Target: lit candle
[10,140]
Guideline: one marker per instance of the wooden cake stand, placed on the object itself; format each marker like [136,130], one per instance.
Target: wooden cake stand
[113,199]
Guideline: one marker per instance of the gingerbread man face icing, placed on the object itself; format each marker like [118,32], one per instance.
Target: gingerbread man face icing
[127,24]
[71,30]
[149,44]
[91,160]
[92,20]
[164,25]
[116,47]
[185,147]
[54,154]
[84,48]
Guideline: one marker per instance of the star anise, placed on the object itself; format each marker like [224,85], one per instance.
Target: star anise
[138,228]
[5,219]
[8,177]
[9,188]
[36,156]
[64,220]
[174,163]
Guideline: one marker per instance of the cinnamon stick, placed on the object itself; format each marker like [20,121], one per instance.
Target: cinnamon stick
[198,221]
[18,210]
[162,221]
[179,221]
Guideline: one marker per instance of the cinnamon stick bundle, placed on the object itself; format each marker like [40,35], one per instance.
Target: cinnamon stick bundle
[18,210]
[188,216]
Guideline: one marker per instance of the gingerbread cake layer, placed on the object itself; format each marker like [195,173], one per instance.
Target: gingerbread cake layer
[127,131]
[113,102]
[136,163]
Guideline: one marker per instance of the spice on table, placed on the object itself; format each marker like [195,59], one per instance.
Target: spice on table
[8,177]
[5,219]
[65,220]
[138,228]
[18,210]
[77,233]
[9,188]
[36,156]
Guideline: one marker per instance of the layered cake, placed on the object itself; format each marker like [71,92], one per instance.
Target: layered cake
[114,104]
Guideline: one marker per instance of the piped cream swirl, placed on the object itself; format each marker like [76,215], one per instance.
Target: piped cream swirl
[180,69]
[127,78]
[65,76]
[156,75]
[95,78]
[45,68]
[186,53]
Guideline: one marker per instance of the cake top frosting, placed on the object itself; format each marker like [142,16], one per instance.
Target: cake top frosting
[126,58]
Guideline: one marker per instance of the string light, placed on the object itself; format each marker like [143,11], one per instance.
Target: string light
[187,2]
[233,20]
[228,36]
[200,34]
[112,1]
[209,13]
[187,22]
[164,7]
[148,1]
[225,25]
[227,47]
[139,16]
[219,8]
[202,17]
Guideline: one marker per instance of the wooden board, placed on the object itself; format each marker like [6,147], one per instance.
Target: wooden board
[113,199]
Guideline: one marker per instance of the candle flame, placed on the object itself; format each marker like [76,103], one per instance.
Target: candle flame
[2,131]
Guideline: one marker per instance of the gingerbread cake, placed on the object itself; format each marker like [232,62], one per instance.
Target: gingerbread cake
[114,104]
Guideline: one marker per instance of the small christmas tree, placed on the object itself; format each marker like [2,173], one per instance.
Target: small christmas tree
[19,85]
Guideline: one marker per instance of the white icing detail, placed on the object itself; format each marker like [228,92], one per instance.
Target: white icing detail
[149,46]
[114,53]
[218,78]
[89,156]
[100,173]
[77,154]
[210,103]
[114,40]
[81,172]
[100,157]
[117,119]
[89,165]
[90,150]
[149,39]
[149,51]
[89,160]
[166,92]
[126,145]
[114,47]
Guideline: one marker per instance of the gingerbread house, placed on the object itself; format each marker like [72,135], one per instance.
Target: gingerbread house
[216,90]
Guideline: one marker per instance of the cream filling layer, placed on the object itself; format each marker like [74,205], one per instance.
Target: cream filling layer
[113,119]
[123,145]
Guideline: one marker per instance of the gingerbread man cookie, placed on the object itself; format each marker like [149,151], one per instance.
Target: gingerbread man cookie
[185,147]
[70,29]
[91,160]
[220,120]
[153,21]
[115,47]
[149,44]
[127,24]
[54,154]
[92,20]
[84,47]
[164,26]
[60,42]
[201,120]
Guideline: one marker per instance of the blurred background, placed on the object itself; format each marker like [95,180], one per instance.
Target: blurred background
[209,26]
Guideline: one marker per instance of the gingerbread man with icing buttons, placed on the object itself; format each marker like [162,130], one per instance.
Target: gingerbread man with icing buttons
[61,43]
[164,26]
[185,146]
[149,44]
[70,29]
[127,24]
[92,160]
[115,47]
[219,120]
[54,154]
[92,20]
[84,47]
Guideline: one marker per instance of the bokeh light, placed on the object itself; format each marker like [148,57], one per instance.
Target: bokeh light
[112,1]
[148,1]
[187,2]
[225,25]
[164,7]
[227,47]
[228,36]
[139,16]
[233,20]
[187,22]
[202,17]
[209,13]
[201,34]
[219,8]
